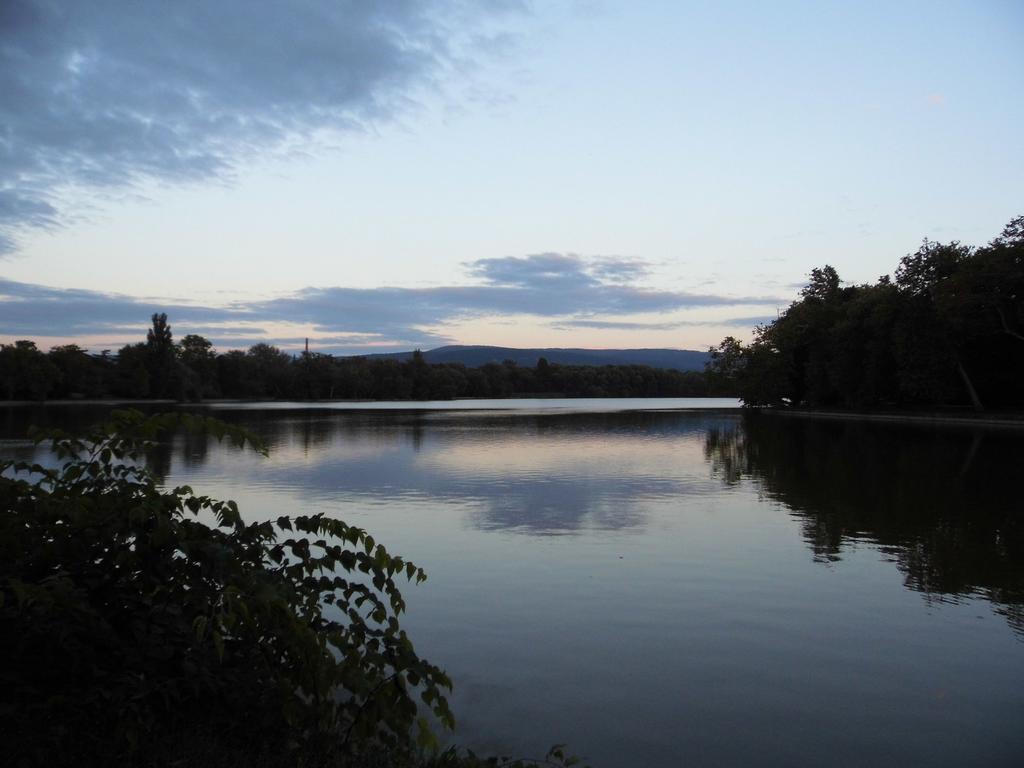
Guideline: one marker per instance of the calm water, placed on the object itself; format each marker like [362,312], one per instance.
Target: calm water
[663,588]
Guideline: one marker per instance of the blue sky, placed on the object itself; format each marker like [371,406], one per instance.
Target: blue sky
[527,174]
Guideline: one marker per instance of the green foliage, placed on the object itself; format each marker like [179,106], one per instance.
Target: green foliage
[80,375]
[197,355]
[755,373]
[949,330]
[132,372]
[726,364]
[136,611]
[25,372]
[556,757]
[159,337]
[168,376]
[270,369]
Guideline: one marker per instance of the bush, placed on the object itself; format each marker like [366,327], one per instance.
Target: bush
[138,623]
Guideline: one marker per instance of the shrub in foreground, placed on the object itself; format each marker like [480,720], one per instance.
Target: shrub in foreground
[151,626]
[134,619]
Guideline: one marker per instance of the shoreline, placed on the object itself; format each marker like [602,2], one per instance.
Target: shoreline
[1004,421]
[331,401]
[924,418]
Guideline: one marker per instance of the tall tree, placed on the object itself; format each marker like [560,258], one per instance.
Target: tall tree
[198,356]
[932,278]
[165,378]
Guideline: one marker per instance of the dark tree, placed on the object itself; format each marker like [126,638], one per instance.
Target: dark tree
[131,371]
[198,356]
[80,374]
[159,336]
[271,370]
[25,372]
[948,331]
[166,378]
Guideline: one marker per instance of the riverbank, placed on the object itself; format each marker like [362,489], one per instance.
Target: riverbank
[222,401]
[930,418]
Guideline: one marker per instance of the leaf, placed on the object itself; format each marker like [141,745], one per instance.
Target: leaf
[425,738]
[218,644]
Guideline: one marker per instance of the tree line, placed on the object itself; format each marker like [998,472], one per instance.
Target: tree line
[192,369]
[946,330]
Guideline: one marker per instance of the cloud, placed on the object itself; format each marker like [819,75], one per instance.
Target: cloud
[750,322]
[626,325]
[563,288]
[113,92]
[334,345]
[556,270]
[616,270]
[620,325]
[545,285]
[27,309]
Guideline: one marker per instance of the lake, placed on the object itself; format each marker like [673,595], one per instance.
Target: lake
[661,583]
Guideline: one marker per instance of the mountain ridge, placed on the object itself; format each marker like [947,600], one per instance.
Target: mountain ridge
[476,355]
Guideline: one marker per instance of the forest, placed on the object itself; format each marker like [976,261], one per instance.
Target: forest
[191,370]
[946,330]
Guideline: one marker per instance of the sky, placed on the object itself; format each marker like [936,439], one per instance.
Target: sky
[379,176]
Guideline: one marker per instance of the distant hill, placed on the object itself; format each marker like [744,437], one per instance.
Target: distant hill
[475,356]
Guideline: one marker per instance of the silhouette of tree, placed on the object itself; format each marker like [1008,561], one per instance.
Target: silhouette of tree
[271,370]
[949,330]
[166,380]
[132,378]
[80,374]
[25,372]
[198,355]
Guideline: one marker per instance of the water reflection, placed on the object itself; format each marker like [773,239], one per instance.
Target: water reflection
[943,505]
[534,474]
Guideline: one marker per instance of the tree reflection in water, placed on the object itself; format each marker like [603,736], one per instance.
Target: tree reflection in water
[943,504]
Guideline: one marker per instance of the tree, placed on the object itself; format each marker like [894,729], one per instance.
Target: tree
[948,330]
[823,285]
[197,354]
[26,372]
[1001,274]
[234,375]
[271,370]
[159,337]
[132,376]
[316,376]
[924,271]
[166,379]
[932,278]
[862,365]
[726,365]
[79,373]
[419,372]
[138,625]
